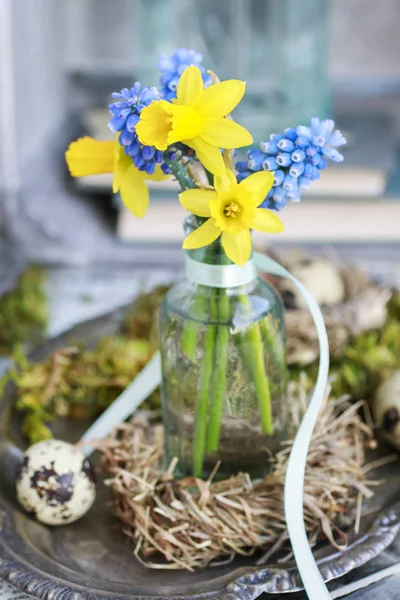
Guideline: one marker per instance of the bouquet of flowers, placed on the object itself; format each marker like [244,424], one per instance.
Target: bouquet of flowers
[222,329]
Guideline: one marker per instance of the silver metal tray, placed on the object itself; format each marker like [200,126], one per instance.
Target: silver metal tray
[91,559]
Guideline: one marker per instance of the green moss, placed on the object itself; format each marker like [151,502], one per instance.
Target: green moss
[24,311]
[78,382]
[368,358]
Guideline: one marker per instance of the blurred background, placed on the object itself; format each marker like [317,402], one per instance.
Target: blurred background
[59,61]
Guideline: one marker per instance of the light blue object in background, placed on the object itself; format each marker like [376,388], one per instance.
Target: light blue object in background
[277,46]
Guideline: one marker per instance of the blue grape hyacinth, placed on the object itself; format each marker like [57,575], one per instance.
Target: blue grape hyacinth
[172,67]
[296,158]
[125,113]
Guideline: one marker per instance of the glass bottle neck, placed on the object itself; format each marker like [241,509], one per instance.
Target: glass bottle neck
[220,275]
[211,267]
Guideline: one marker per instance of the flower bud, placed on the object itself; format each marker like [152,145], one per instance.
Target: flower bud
[269,147]
[270,164]
[298,156]
[283,159]
[296,169]
[279,176]
[286,145]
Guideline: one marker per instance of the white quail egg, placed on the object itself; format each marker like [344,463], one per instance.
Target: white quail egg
[321,278]
[55,482]
[385,407]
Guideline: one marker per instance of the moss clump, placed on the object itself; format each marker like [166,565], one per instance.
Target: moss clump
[78,382]
[24,311]
[367,359]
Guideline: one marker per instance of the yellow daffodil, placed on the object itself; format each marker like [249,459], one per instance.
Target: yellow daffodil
[232,211]
[196,118]
[88,156]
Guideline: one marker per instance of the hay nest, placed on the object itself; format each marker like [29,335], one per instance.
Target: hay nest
[190,523]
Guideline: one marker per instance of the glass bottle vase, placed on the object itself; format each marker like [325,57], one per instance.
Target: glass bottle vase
[223,372]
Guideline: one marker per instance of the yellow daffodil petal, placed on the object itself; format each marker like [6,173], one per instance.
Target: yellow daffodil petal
[267,221]
[225,133]
[186,123]
[237,246]
[209,156]
[206,234]
[133,191]
[190,86]
[154,125]
[87,156]
[121,162]
[116,182]
[197,201]
[223,182]
[259,184]
[220,99]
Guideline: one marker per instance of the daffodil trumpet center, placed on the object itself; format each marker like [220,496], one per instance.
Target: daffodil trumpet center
[232,209]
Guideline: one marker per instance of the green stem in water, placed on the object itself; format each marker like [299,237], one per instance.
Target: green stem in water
[191,328]
[253,349]
[273,343]
[220,308]
[200,422]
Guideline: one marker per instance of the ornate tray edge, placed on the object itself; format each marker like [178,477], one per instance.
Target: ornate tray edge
[248,583]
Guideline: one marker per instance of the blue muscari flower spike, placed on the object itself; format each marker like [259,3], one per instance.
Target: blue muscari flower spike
[125,112]
[172,67]
[296,157]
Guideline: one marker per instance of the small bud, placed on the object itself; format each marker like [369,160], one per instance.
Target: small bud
[308,169]
[241,166]
[290,133]
[314,160]
[150,167]
[294,194]
[255,154]
[279,176]
[279,194]
[297,169]
[148,152]
[315,174]
[302,142]
[304,132]
[138,161]
[166,169]
[126,137]
[133,149]
[286,145]
[319,140]
[270,164]
[275,137]
[298,156]
[283,159]
[337,139]
[332,153]
[311,151]
[289,183]
[304,182]
[269,147]
[255,163]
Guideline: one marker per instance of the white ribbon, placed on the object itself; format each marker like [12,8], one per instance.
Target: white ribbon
[150,377]
[220,276]
[294,485]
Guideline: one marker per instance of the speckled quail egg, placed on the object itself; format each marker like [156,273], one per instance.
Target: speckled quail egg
[385,407]
[321,278]
[55,482]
